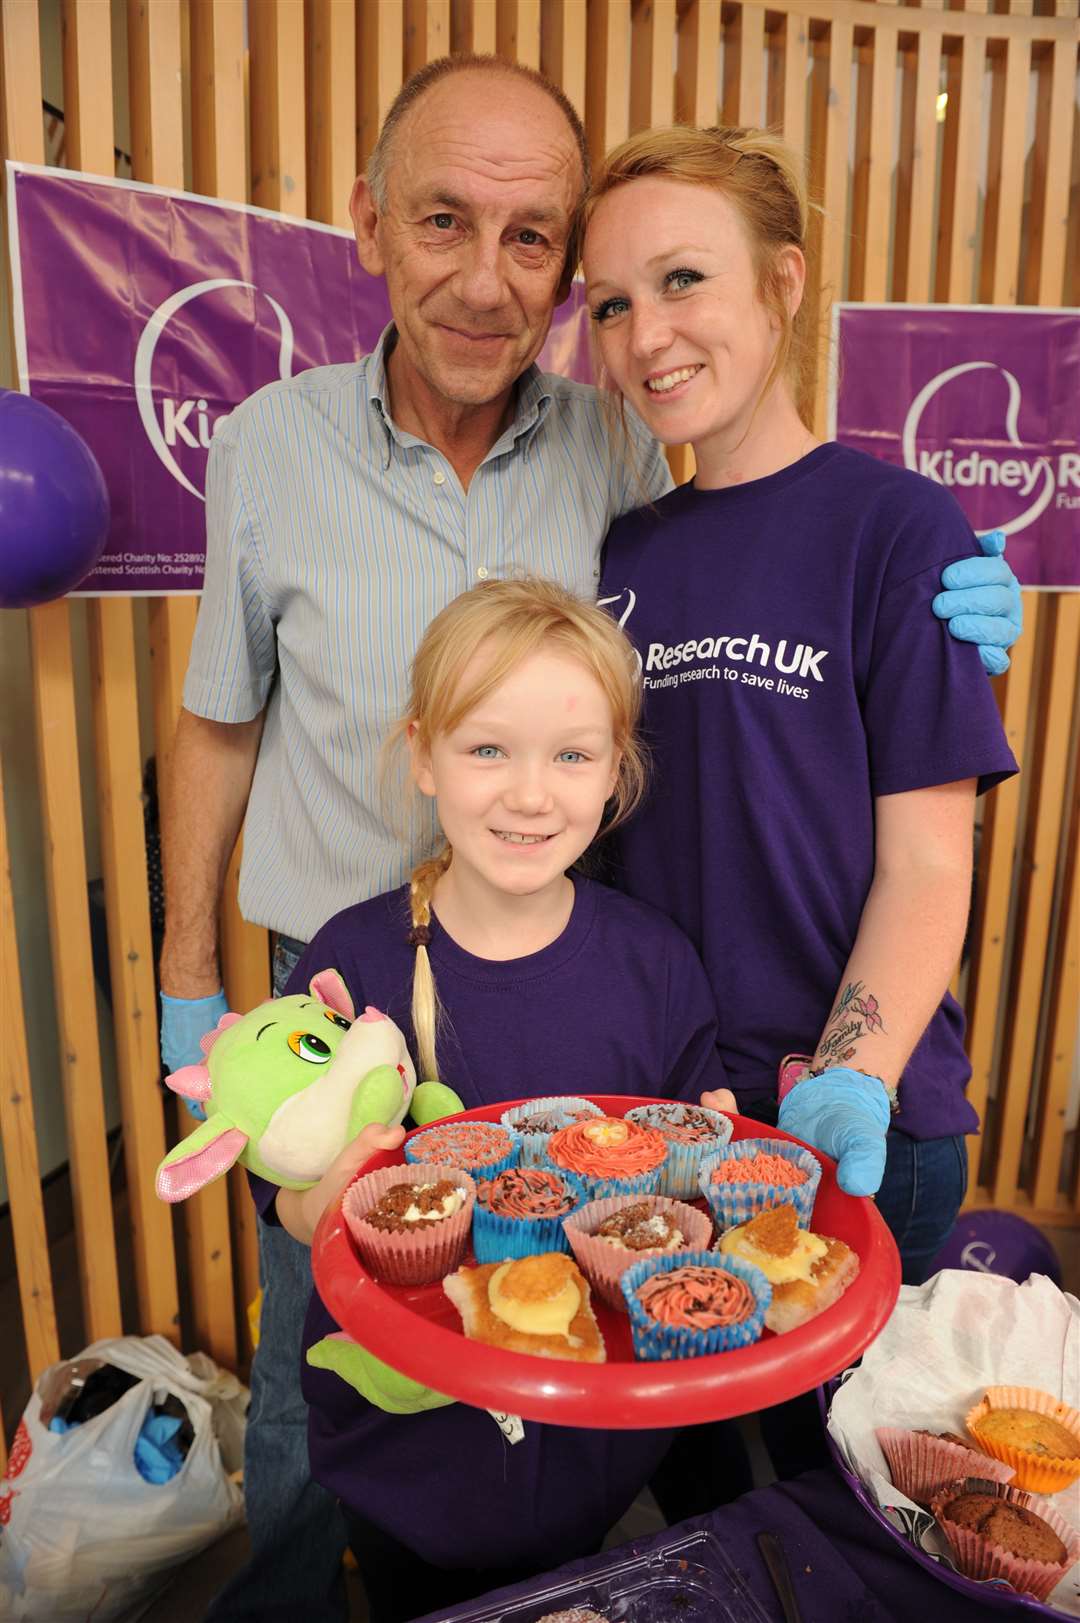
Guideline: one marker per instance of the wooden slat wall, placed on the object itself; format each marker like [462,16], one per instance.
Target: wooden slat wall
[914,209]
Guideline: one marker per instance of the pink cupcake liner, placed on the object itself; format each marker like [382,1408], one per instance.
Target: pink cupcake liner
[919,1465]
[419,1258]
[604,1265]
[976,1557]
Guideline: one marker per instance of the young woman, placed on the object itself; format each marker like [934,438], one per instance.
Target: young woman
[819,738]
[512,976]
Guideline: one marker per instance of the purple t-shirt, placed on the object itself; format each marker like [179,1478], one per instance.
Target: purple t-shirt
[793,671]
[619,1003]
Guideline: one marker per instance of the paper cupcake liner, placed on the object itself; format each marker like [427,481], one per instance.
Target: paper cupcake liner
[534,1145]
[976,1557]
[478,1169]
[498,1239]
[679,1174]
[419,1258]
[919,1466]
[655,1342]
[604,1265]
[1035,1472]
[735,1203]
[642,1183]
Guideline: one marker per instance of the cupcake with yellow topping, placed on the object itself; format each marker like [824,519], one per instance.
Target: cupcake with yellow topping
[611,1156]
[753,1174]
[410,1224]
[1038,1435]
[692,1133]
[692,1303]
[608,1236]
[520,1212]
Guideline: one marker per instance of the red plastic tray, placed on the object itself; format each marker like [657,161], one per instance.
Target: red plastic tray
[418,1330]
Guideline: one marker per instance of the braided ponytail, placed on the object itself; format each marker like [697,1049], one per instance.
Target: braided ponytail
[425,998]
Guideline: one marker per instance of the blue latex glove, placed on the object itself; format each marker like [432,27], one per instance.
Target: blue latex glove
[982,602]
[846,1115]
[183,1021]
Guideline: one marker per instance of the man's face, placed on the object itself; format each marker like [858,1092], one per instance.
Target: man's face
[483,183]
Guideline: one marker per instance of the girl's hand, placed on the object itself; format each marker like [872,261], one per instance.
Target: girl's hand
[719,1099]
[300,1209]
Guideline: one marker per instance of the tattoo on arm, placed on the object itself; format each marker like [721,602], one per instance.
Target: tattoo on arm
[857,1014]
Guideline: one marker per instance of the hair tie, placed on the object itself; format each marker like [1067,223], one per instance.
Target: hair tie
[419,936]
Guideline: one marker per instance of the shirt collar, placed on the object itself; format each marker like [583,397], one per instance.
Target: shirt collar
[533,403]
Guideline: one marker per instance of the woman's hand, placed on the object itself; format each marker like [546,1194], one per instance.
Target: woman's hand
[300,1209]
[846,1114]
[719,1099]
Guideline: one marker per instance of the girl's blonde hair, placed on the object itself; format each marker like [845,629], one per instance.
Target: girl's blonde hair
[764,180]
[508,620]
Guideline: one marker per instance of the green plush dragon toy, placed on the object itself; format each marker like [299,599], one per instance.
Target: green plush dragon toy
[285,1088]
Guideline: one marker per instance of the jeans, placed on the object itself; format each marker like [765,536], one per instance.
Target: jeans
[296,1528]
[921,1193]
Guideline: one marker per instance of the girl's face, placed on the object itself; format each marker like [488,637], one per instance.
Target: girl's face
[683,333]
[521,783]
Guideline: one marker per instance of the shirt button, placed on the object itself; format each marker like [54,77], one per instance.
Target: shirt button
[440,478]
[481,573]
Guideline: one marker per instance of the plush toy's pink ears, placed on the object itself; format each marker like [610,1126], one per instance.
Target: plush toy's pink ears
[207,1041]
[193,1081]
[178,1179]
[330,989]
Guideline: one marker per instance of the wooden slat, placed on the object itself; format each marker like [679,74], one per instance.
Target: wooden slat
[213,1299]
[1005,251]
[218,112]
[20,1142]
[652,82]
[278,164]
[834,192]
[972,23]
[330,81]
[1054,215]
[959,182]
[517,24]
[20,83]
[697,75]
[607,76]
[879,176]
[380,63]
[862,125]
[986,976]
[1038,869]
[915,201]
[796,64]
[750,108]
[562,47]
[473,26]
[1064,999]
[427,32]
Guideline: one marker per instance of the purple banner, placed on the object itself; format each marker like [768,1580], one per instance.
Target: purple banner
[144,315]
[984,400]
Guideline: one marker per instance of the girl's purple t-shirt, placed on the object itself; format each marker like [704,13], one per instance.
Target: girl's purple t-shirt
[793,671]
[619,1003]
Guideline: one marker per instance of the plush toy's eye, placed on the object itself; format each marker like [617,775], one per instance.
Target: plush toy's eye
[338,1019]
[305,1045]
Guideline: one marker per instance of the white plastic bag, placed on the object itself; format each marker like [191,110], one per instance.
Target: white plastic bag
[82,1534]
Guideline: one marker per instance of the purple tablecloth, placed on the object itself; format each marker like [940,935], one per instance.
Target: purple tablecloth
[845,1570]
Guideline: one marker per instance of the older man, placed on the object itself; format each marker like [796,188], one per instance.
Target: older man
[345,508]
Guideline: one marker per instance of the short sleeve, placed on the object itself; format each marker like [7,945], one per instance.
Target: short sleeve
[692,1061]
[641,468]
[928,706]
[234,650]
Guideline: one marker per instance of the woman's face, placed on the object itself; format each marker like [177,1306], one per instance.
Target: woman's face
[673,291]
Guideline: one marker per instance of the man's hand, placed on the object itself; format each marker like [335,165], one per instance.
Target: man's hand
[845,1114]
[183,1021]
[300,1209]
[982,602]
[719,1099]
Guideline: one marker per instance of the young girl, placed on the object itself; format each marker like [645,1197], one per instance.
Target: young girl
[819,737]
[512,976]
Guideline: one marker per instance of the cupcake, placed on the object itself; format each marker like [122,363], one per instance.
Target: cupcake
[478,1146]
[922,1462]
[996,1531]
[411,1223]
[753,1174]
[519,1213]
[612,1156]
[536,1120]
[1038,1435]
[691,1133]
[694,1302]
[608,1236]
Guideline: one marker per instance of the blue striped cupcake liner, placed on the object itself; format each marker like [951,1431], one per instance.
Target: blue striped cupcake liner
[735,1203]
[477,1169]
[498,1239]
[534,1145]
[643,1183]
[679,1174]
[656,1342]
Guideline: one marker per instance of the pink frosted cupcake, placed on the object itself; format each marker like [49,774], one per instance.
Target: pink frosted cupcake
[921,1462]
[410,1223]
[608,1236]
[996,1531]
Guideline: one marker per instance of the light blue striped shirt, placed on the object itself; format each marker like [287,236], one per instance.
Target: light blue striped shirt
[333,539]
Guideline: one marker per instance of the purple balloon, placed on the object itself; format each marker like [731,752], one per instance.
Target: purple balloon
[54,508]
[993,1242]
